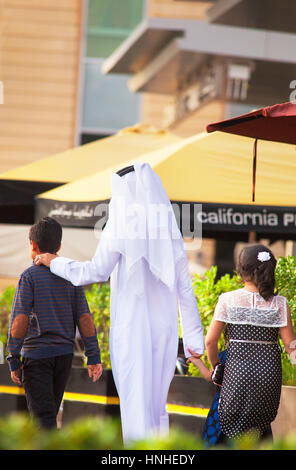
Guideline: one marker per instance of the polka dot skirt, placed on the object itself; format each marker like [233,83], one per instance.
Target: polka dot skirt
[251,388]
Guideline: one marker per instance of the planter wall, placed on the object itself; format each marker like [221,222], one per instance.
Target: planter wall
[85,398]
[12,398]
[189,400]
[285,422]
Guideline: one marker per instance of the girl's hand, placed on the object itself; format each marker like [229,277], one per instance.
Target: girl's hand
[194,358]
[44,258]
[190,360]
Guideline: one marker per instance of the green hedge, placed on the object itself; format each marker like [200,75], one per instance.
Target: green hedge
[20,432]
[207,290]
[98,298]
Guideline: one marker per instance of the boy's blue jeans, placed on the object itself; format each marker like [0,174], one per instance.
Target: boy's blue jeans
[44,381]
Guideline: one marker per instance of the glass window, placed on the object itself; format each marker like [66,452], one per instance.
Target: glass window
[237,109]
[87,138]
[110,22]
[108,103]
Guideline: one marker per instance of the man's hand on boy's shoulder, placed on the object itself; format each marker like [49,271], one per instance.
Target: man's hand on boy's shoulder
[16,376]
[44,258]
[95,371]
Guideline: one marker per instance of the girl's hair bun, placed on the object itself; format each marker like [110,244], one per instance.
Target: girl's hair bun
[256,263]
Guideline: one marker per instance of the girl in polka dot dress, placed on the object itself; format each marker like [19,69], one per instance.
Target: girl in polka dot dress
[254,317]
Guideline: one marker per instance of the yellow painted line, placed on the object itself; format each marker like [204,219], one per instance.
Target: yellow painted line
[187,410]
[103,400]
[83,397]
[12,390]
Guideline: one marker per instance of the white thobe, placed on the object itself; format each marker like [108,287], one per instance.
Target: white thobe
[144,334]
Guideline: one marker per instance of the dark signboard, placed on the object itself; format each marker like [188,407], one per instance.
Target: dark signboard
[193,218]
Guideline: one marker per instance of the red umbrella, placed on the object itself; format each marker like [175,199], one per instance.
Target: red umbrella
[276,123]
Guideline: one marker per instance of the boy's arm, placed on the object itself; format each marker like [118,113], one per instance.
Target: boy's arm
[19,321]
[87,328]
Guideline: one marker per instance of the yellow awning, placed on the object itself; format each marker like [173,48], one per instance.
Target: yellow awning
[210,168]
[82,161]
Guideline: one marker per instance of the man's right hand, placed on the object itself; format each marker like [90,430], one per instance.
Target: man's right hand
[194,354]
[44,258]
[95,371]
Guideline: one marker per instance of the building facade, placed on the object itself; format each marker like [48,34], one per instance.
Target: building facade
[73,71]
[55,96]
[205,61]
[39,50]
[196,62]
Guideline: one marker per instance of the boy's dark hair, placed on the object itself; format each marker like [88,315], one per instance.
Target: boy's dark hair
[47,234]
[261,273]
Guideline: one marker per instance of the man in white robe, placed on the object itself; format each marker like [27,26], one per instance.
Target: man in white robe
[141,248]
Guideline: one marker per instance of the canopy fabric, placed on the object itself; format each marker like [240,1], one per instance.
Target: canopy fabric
[213,169]
[18,187]
[276,123]
[82,161]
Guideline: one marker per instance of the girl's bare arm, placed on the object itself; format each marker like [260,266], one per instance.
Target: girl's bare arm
[214,332]
[205,372]
[288,335]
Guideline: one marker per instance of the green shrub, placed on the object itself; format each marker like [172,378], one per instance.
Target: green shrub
[286,285]
[20,432]
[17,431]
[177,440]
[87,433]
[98,298]
[6,299]
[207,290]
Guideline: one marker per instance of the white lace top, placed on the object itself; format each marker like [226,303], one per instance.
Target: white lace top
[249,308]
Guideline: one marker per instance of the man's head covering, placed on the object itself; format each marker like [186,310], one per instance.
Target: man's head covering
[142,225]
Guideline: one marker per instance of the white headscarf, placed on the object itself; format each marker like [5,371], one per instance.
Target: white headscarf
[142,226]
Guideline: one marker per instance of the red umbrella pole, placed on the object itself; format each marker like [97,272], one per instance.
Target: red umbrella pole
[254,168]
